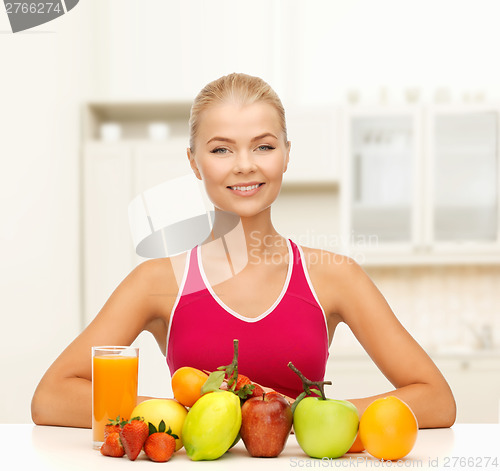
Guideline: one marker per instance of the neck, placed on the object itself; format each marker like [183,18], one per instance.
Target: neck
[255,234]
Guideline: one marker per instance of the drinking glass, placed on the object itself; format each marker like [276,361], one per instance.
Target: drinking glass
[114,386]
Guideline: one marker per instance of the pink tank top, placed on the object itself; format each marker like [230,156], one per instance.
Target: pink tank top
[202,328]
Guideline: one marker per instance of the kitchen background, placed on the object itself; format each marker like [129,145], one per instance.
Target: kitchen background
[393,116]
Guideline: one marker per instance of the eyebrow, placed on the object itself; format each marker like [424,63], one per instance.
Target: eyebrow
[256,138]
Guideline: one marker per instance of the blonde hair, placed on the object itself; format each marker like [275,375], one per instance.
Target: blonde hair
[236,88]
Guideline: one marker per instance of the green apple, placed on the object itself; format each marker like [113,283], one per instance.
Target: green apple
[325,428]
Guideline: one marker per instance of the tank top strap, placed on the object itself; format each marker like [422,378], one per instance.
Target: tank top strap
[193,282]
[300,283]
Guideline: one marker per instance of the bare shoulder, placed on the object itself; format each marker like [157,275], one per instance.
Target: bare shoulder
[161,278]
[325,263]
[162,270]
[331,275]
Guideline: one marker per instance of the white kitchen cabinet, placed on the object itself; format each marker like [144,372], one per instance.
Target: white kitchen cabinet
[108,255]
[157,162]
[379,187]
[421,184]
[114,174]
[463,190]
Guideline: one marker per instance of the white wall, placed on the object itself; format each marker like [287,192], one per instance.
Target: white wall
[44,75]
[311,52]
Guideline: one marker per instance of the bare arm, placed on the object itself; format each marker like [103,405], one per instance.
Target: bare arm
[406,365]
[64,394]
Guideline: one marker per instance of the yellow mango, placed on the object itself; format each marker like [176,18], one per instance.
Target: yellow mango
[212,425]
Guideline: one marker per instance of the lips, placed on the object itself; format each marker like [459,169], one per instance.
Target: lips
[246,189]
[246,186]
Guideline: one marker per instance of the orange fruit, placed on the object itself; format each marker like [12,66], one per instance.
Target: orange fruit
[357,446]
[388,428]
[187,383]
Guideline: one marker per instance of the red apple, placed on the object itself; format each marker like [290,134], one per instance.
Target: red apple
[266,422]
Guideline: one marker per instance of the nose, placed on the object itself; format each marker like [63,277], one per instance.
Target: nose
[244,163]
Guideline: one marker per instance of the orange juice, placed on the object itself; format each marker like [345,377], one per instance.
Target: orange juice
[114,390]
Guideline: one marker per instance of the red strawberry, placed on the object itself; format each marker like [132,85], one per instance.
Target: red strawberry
[242,387]
[242,380]
[257,391]
[112,445]
[159,447]
[114,425]
[133,435]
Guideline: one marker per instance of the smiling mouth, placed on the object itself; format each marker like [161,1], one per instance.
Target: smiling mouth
[246,188]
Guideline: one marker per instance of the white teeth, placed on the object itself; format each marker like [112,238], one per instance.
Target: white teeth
[245,188]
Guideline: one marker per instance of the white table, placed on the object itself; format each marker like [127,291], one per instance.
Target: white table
[462,447]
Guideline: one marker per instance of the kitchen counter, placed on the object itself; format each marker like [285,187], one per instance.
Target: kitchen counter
[463,446]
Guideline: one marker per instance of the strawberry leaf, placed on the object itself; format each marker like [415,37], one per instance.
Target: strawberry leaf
[152,428]
[213,382]
[169,432]
[116,421]
[161,426]
[245,391]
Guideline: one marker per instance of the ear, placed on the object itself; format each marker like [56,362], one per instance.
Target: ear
[192,162]
[287,157]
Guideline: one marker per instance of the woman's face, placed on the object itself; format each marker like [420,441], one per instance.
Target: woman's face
[241,155]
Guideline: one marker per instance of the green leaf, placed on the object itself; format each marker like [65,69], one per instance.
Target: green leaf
[116,421]
[152,428]
[213,382]
[161,426]
[169,432]
[299,398]
[245,391]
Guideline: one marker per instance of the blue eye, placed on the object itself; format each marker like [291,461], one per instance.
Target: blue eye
[265,147]
[219,150]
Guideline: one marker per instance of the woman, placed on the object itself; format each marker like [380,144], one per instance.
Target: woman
[283,302]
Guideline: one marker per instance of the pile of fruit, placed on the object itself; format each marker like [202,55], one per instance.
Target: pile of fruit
[213,410]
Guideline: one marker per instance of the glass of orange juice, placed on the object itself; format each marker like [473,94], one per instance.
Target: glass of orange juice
[114,386]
